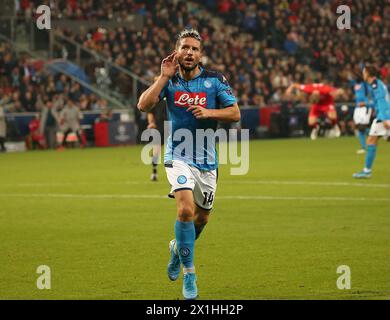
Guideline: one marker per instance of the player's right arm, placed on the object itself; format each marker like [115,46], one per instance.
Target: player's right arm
[151,121]
[151,96]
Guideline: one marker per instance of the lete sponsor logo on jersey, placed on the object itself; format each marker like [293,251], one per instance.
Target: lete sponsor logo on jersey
[186,99]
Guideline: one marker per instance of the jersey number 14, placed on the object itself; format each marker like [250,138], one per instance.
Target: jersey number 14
[208,198]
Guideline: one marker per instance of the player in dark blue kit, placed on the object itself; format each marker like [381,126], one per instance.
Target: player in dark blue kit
[363,111]
[381,124]
[197,99]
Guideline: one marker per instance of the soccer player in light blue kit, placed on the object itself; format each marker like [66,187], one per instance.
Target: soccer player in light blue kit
[363,111]
[381,124]
[196,99]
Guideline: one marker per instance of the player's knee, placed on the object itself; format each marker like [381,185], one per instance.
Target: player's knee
[372,140]
[185,212]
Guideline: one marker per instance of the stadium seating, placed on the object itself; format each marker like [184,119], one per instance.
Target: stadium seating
[260,48]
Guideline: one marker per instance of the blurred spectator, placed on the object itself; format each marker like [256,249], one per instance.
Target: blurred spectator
[28,101]
[35,139]
[3,129]
[70,118]
[49,121]
[105,116]
[25,86]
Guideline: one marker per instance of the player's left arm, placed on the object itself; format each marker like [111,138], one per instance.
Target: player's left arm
[227,111]
[337,93]
[228,114]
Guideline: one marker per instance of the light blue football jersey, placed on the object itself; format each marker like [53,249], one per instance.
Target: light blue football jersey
[208,89]
[361,91]
[381,98]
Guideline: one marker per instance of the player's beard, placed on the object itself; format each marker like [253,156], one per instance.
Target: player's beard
[188,69]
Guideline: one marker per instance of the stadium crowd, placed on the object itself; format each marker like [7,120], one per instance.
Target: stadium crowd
[260,47]
[26,86]
[84,10]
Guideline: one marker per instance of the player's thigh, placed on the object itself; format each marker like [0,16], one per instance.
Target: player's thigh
[205,189]
[312,120]
[386,125]
[377,130]
[181,178]
[331,112]
[332,115]
[156,149]
[157,141]
[372,140]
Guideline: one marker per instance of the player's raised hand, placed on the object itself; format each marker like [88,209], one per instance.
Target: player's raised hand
[169,65]
[199,112]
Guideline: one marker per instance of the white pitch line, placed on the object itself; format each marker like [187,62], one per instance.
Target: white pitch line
[150,197]
[83,196]
[64,184]
[263,182]
[303,198]
[312,183]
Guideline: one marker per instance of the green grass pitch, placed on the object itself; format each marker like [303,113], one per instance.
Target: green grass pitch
[279,232]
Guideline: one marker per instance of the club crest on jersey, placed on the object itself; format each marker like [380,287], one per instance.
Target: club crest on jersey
[181,179]
[207,84]
[186,99]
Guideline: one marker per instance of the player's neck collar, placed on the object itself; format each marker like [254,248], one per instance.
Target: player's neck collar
[373,79]
[196,76]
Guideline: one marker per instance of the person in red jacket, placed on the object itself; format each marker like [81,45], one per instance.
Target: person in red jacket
[35,138]
[321,97]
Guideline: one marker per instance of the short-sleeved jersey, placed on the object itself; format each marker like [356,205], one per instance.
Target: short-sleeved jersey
[208,89]
[381,98]
[325,92]
[361,91]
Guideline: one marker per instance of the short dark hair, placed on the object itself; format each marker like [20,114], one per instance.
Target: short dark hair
[372,70]
[189,33]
